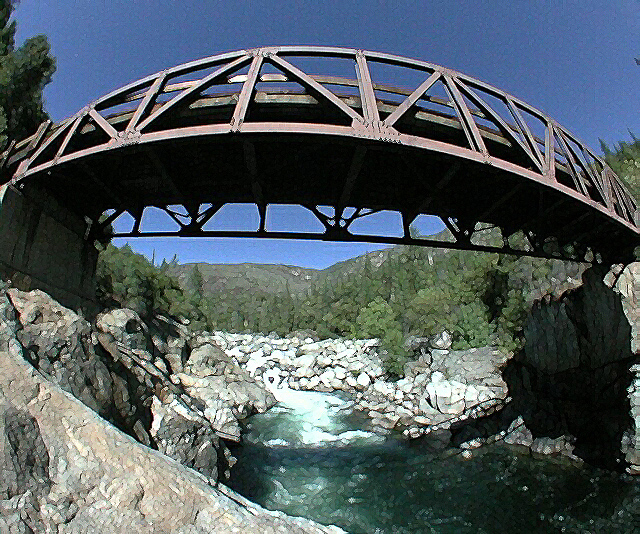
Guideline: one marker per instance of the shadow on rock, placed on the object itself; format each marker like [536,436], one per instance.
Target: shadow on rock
[568,385]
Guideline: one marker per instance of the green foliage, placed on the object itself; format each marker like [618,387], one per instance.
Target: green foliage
[471,326]
[24,72]
[130,280]
[379,320]
[481,299]
[624,160]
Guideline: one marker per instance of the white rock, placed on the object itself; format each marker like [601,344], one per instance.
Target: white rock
[277,354]
[447,396]
[327,377]
[437,377]
[441,341]
[255,361]
[382,387]
[471,395]
[301,372]
[405,385]
[364,380]
[357,365]
[369,343]
[340,372]
[309,348]
[306,360]
[346,353]
[235,352]
[337,384]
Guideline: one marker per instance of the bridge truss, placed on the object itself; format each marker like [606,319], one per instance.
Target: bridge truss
[342,132]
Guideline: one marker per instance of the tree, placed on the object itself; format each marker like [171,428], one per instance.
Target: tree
[24,72]
[380,321]
[129,280]
[624,159]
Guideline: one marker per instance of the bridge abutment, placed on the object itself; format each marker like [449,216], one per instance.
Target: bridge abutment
[45,246]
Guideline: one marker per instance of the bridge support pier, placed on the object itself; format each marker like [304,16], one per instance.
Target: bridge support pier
[45,246]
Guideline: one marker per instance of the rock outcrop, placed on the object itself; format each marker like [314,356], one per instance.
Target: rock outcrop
[82,408]
[153,381]
[569,384]
[626,282]
[66,470]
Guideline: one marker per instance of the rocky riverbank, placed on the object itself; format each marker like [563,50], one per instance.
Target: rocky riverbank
[169,401]
[440,388]
[155,467]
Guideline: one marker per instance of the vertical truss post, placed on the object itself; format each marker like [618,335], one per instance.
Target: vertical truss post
[367,94]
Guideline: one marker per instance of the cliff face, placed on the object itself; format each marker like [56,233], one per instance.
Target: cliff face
[66,470]
[627,286]
[82,408]
[570,381]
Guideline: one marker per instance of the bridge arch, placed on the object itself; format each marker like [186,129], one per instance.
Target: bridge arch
[355,131]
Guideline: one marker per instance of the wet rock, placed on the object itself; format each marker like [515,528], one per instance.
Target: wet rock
[518,433]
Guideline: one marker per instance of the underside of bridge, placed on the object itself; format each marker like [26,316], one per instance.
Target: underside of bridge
[341,132]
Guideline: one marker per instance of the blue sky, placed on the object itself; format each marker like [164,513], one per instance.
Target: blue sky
[574,60]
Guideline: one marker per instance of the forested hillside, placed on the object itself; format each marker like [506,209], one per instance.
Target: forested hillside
[480,298]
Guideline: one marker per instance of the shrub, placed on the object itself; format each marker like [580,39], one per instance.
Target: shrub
[130,280]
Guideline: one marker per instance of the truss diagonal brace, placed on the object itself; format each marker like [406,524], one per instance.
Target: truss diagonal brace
[314,87]
[367,94]
[411,100]
[248,88]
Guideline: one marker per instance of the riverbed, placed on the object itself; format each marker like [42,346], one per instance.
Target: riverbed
[312,456]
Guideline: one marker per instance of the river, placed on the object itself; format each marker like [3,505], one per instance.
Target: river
[311,456]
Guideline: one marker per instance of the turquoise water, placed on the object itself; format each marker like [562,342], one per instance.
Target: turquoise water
[367,483]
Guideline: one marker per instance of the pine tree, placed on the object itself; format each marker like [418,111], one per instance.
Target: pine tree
[24,72]
[624,159]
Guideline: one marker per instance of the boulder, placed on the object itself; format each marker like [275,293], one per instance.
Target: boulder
[328,377]
[208,358]
[446,396]
[363,380]
[125,326]
[441,341]
[305,360]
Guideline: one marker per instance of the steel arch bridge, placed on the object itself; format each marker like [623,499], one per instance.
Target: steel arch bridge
[344,133]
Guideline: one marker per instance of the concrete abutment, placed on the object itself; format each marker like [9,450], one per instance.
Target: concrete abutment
[45,246]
